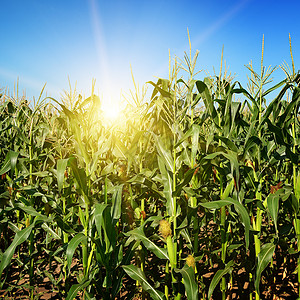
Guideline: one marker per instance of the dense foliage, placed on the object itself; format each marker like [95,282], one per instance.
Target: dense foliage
[153,203]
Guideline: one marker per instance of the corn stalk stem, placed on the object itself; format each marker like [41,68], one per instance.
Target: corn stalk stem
[257,223]
[31,237]
[85,243]
[223,239]
[296,219]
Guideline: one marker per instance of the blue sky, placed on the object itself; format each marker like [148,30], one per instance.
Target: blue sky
[49,41]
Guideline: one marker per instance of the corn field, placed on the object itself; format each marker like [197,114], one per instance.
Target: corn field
[194,193]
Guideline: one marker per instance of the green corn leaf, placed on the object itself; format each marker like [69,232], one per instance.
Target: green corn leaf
[228,189]
[297,188]
[271,107]
[86,101]
[163,92]
[247,94]
[21,135]
[240,209]
[186,235]
[10,162]
[99,211]
[20,237]
[73,244]
[186,180]
[164,154]
[264,257]
[117,202]
[41,174]
[50,277]
[61,168]
[119,150]
[186,135]
[76,288]
[65,109]
[251,142]
[182,81]
[63,225]
[216,279]
[227,142]
[109,222]
[51,231]
[105,222]
[232,157]
[117,285]
[168,186]
[195,143]
[191,287]
[171,251]
[79,175]
[82,217]
[207,99]
[139,234]
[273,206]
[31,211]
[288,116]
[278,134]
[273,88]
[137,274]
[235,109]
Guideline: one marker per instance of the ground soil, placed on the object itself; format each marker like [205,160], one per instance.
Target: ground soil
[282,285]
[278,281]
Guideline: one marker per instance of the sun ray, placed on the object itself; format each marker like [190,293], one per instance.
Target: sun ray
[111,97]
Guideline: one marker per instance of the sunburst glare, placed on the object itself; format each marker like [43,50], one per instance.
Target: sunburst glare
[111,106]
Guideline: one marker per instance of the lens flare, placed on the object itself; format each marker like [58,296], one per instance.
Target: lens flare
[111,106]
[111,110]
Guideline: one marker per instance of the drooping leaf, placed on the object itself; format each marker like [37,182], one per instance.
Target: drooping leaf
[250,143]
[10,162]
[64,225]
[264,257]
[228,143]
[191,287]
[30,211]
[139,234]
[73,244]
[163,92]
[232,157]
[48,229]
[137,274]
[217,277]
[240,209]
[20,237]
[76,288]
[207,99]
[79,175]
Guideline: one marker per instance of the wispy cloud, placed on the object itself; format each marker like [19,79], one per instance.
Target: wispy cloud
[210,30]
[228,15]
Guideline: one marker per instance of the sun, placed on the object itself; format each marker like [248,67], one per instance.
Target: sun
[111,107]
[111,110]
